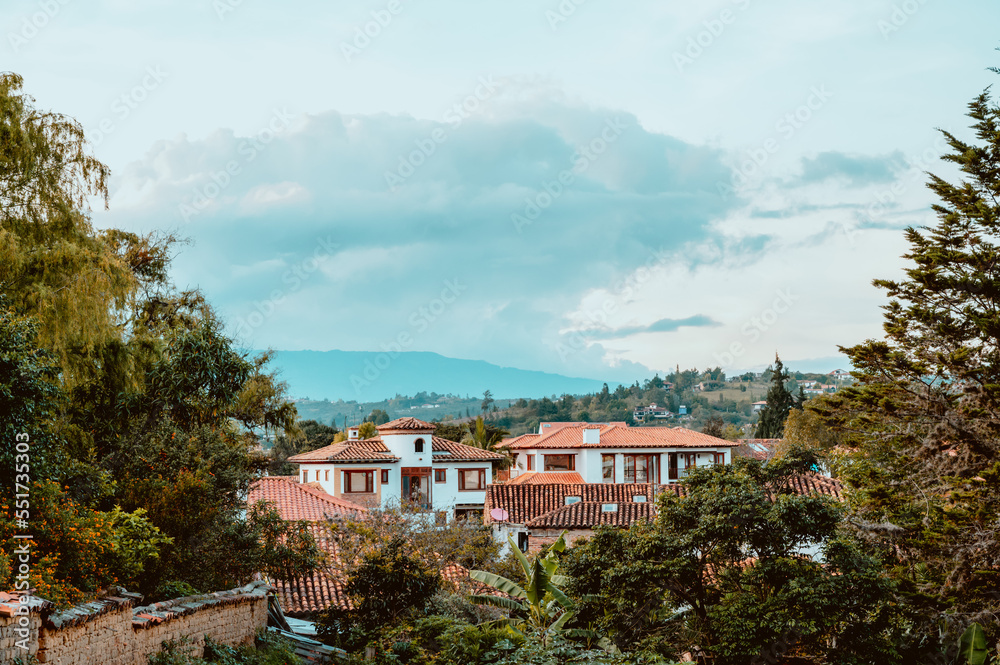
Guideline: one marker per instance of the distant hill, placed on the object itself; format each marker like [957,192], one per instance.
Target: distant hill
[371,377]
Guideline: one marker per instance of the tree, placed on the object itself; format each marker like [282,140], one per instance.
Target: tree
[389,584]
[312,435]
[721,574]
[779,402]
[367,430]
[487,401]
[923,417]
[378,417]
[714,426]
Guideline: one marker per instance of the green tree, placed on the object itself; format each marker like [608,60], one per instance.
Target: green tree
[923,417]
[721,574]
[312,435]
[367,430]
[714,426]
[779,402]
[390,584]
[487,401]
[378,417]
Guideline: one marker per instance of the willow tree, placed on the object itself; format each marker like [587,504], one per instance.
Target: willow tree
[922,425]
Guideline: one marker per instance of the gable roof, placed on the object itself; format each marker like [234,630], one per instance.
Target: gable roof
[409,423]
[618,435]
[588,514]
[375,450]
[542,478]
[295,501]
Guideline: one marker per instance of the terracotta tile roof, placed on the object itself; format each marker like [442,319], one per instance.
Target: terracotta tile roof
[363,450]
[307,596]
[524,438]
[375,450]
[619,435]
[541,478]
[446,450]
[295,501]
[588,514]
[407,423]
[526,502]
[815,483]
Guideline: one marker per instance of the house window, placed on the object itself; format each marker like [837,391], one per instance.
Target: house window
[638,468]
[385,476]
[305,476]
[522,542]
[570,500]
[720,458]
[560,462]
[440,475]
[609,507]
[418,446]
[531,462]
[607,468]
[690,460]
[359,482]
[326,476]
[472,479]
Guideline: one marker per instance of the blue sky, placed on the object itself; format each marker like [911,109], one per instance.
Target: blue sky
[582,187]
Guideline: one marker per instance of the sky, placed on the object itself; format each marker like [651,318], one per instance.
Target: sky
[591,188]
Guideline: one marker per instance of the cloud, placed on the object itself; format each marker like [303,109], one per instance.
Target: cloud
[661,326]
[415,205]
[856,170]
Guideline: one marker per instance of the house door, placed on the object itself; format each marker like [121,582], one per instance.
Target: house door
[416,485]
[672,466]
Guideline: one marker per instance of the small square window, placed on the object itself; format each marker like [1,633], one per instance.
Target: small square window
[570,500]
[440,475]
[609,507]
[639,498]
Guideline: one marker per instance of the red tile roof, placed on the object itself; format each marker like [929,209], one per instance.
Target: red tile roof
[407,423]
[588,514]
[363,450]
[541,478]
[619,435]
[526,502]
[375,450]
[446,450]
[295,501]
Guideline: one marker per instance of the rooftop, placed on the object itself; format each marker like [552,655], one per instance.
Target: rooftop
[295,501]
[616,435]
[375,450]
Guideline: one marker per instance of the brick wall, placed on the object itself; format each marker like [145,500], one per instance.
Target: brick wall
[113,631]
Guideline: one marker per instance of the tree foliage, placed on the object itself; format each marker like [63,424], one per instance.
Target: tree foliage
[779,402]
[922,426]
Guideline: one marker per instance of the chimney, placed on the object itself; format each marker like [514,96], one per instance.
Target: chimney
[352,433]
[591,435]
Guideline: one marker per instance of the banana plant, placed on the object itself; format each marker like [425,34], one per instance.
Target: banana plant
[546,607]
[972,648]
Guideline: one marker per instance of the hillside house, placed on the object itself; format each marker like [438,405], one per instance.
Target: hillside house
[405,462]
[759,406]
[651,412]
[613,453]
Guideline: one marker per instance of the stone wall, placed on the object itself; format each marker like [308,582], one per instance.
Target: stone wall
[539,539]
[113,631]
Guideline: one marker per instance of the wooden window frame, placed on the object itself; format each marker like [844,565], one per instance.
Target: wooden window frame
[720,458]
[650,468]
[440,476]
[369,482]
[384,476]
[531,462]
[305,476]
[572,463]
[418,446]
[461,480]
[614,468]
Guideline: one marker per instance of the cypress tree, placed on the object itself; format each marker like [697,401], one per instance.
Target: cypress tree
[779,402]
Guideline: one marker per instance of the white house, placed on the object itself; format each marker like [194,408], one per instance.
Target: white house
[759,406]
[405,462]
[612,453]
